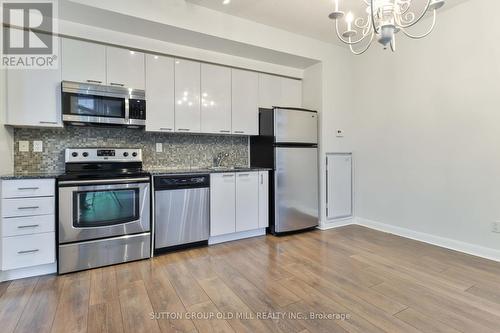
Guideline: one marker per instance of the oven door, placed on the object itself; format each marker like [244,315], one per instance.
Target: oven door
[99,209]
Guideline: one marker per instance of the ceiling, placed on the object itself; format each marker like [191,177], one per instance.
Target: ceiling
[304,17]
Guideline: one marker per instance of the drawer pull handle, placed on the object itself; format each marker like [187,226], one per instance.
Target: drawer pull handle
[224,131]
[184,129]
[165,129]
[49,122]
[28,188]
[28,251]
[239,132]
[33,207]
[244,174]
[227,176]
[94,81]
[28,226]
[116,84]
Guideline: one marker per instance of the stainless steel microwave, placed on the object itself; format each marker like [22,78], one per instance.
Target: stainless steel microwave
[85,103]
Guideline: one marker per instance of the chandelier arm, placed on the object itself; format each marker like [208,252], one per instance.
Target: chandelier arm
[403,26]
[393,43]
[373,17]
[426,33]
[365,49]
[348,42]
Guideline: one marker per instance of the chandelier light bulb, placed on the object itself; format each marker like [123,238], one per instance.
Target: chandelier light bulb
[382,20]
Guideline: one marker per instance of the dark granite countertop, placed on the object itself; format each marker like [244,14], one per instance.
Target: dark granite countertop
[166,172]
[30,175]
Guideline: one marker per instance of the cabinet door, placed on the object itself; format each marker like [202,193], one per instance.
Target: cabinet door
[339,185]
[263,199]
[245,102]
[160,94]
[34,97]
[215,99]
[222,204]
[247,201]
[125,68]
[291,93]
[83,61]
[187,96]
[269,91]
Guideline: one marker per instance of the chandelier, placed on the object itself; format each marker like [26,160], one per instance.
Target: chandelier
[382,20]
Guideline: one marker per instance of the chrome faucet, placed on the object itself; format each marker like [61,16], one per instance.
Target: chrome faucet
[219,158]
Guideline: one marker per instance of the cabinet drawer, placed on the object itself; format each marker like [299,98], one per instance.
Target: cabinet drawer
[17,226]
[28,207]
[28,250]
[28,188]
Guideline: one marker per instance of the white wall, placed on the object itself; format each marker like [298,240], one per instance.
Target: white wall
[427,119]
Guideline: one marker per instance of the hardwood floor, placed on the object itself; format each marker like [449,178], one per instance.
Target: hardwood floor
[378,282]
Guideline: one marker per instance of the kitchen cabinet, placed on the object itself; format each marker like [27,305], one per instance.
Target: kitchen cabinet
[125,68]
[222,204]
[245,102]
[263,199]
[269,91]
[247,201]
[215,99]
[187,96]
[83,61]
[160,94]
[291,93]
[34,97]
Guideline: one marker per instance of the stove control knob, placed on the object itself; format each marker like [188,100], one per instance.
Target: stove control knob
[125,154]
[74,154]
[85,154]
[134,154]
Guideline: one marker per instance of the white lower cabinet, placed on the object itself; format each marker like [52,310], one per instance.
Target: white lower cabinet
[247,201]
[263,199]
[235,202]
[222,203]
[28,250]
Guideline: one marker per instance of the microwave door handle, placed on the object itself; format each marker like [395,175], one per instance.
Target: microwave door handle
[127,110]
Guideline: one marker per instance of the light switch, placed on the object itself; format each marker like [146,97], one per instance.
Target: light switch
[38,146]
[24,146]
[340,133]
[159,147]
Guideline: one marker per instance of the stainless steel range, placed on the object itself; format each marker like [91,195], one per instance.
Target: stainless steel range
[104,209]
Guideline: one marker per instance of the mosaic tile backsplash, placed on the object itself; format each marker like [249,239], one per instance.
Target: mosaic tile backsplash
[179,150]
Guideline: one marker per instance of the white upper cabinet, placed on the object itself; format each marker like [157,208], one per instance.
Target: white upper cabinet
[187,96]
[291,93]
[83,61]
[245,102]
[34,97]
[160,94]
[269,91]
[247,201]
[215,99]
[125,68]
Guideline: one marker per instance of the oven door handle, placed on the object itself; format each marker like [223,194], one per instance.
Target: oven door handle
[106,181]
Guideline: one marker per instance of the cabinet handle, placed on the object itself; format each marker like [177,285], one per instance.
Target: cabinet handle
[28,251]
[239,132]
[94,81]
[49,122]
[116,84]
[244,174]
[165,129]
[228,175]
[27,188]
[28,226]
[224,131]
[33,207]
[184,129]
[261,179]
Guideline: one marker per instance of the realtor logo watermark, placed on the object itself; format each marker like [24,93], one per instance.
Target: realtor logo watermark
[28,34]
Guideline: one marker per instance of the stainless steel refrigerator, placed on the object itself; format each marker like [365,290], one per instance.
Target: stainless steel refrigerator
[288,144]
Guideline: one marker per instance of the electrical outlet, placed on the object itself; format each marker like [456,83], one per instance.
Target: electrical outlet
[159,147]
[38,146]
[340,133]
[496,227]
[24,146]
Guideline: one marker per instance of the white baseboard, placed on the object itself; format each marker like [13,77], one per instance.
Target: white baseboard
[476,250]
[236,236]
[337,223]
[22,273]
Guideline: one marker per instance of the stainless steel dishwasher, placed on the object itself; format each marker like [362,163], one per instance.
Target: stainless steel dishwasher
[182,211]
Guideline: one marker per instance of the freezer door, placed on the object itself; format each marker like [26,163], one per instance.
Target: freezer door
[296,188]
[295,126]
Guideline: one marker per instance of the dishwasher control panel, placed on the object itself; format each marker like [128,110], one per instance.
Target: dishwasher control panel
[178,182]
